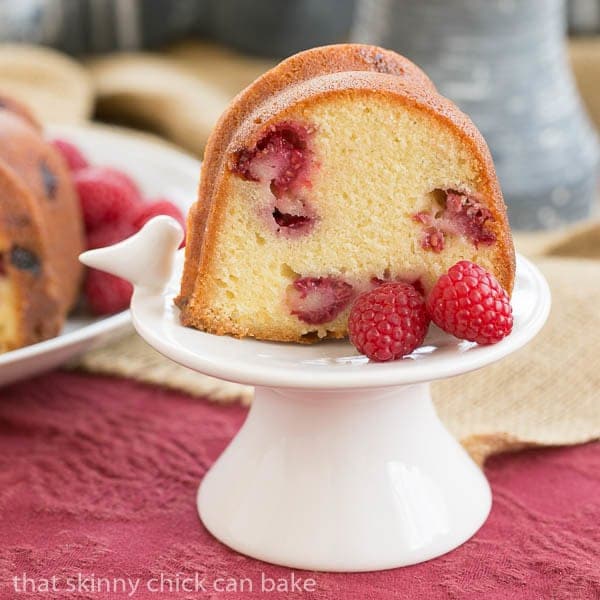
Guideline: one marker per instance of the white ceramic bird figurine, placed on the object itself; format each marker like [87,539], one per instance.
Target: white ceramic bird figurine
[145,259]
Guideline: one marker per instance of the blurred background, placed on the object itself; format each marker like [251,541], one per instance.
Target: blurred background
[526,71]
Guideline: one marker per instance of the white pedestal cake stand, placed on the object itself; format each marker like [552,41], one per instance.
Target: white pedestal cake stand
[342,464]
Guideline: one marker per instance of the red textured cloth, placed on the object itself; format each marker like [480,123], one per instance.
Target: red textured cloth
[98,476]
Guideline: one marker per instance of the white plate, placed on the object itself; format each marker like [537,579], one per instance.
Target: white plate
[159,170]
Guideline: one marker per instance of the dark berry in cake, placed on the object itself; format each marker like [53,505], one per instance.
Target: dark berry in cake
[24,259]
[317,300]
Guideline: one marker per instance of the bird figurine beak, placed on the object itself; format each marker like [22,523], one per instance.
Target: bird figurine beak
[145,259]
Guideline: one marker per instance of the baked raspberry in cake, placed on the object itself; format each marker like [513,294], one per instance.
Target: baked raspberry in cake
[41,232]
[339,169]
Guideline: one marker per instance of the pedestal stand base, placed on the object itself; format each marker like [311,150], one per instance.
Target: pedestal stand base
[355,480]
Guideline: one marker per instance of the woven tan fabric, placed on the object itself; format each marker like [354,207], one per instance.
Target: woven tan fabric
[548,393]
[56,88]
[179,94]
[154,92]
[585,60]
[132,357]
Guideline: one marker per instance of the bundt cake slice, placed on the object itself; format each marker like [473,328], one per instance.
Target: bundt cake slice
[322,181]
[41,233]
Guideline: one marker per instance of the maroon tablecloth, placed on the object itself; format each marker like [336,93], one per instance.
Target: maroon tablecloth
[97,488]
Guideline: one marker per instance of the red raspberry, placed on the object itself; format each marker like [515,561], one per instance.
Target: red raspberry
[388,322]
[154,208]
[72,155]
[125,180]
[469,303]
[105,293]
[160,206]
[104,197]
[107,235]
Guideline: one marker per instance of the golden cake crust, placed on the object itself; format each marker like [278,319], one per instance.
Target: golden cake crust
[245,121]
[37,307]
[40,215]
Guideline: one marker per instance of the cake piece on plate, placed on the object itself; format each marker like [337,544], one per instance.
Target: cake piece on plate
[340,168]
[41,232]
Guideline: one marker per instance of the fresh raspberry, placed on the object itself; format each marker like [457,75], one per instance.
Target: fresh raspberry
[109,234]
[104,197]
[106,294]
[125,180]
[154,208]
[318,300]
[469,303]
[388,322]
[72,155]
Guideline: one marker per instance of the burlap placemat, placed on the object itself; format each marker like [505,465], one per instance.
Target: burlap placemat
[179,94]
[153,92]
[57,88]
[546,394]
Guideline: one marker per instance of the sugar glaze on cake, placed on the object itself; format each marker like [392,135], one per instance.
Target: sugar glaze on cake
[339,169]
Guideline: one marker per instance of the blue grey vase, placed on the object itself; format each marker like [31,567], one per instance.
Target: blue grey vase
[504,63]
